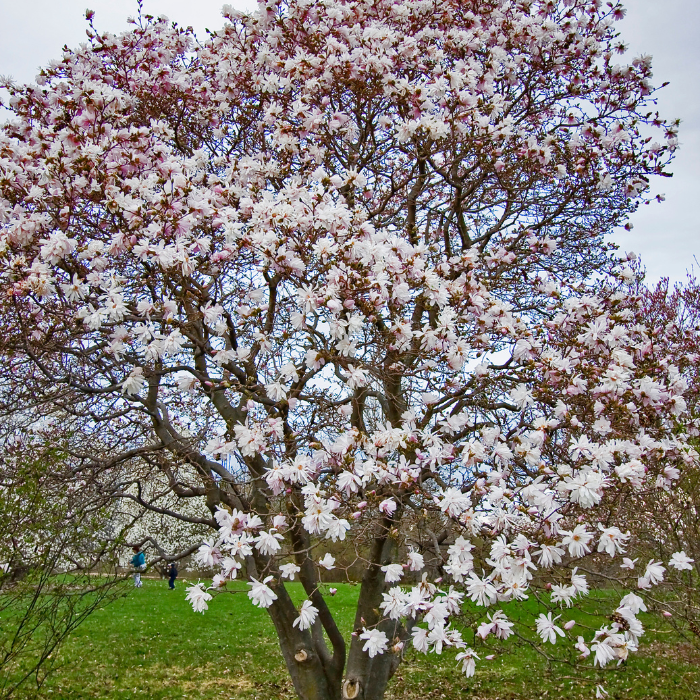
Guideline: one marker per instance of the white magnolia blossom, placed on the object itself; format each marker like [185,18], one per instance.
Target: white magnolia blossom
[547,630]
[454,502]
[468,658]
[307,616]
[230,567]
[327,561]
[612,540]
[583,649]
[416,561]
[135,382]
[481,591]
[394,604]
[388,506]
[392,572]
[267,543]
[208,555]
[577,541]
[260,594]
[496,624]
[375,642]
[549,555]
[680,561]
[289,571]
[633,602]
[198,597]
[654,572]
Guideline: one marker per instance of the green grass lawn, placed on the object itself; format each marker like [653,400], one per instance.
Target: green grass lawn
[150,644]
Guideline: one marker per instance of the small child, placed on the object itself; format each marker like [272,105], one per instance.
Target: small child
[138,561]
[172,573]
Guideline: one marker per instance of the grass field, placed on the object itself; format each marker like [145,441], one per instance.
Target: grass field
[150,644]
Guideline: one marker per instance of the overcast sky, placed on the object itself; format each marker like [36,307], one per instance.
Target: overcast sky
[666,235]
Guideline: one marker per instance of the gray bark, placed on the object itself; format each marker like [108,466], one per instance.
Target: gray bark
[365,678]
[311,674]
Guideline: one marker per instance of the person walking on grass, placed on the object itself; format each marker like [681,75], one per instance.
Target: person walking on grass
[172,573]
[138,561]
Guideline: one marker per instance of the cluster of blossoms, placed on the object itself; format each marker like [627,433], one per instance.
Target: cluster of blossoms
[339,272]
[511,573]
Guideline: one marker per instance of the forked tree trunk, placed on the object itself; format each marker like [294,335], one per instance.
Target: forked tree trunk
[367,678]
[311,668]
[318,675]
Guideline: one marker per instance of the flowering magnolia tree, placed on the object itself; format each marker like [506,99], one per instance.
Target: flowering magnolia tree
[339,272]
[665,523]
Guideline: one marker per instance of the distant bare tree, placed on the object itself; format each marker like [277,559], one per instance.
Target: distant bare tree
[51,546]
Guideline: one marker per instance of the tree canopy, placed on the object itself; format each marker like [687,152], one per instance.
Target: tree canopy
[338,273]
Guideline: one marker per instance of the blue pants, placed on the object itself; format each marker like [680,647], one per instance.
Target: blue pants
[171,582]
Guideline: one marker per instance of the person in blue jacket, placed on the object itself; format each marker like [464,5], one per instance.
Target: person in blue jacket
[138,561]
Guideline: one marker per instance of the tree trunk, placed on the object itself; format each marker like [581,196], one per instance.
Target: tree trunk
[378,671]
[316,674]
[365,678]
[312,676]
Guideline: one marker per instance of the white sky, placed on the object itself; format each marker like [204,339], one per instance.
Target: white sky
[666,235]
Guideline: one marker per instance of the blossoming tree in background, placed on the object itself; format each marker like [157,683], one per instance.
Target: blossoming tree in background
[339,271]
[665,522]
